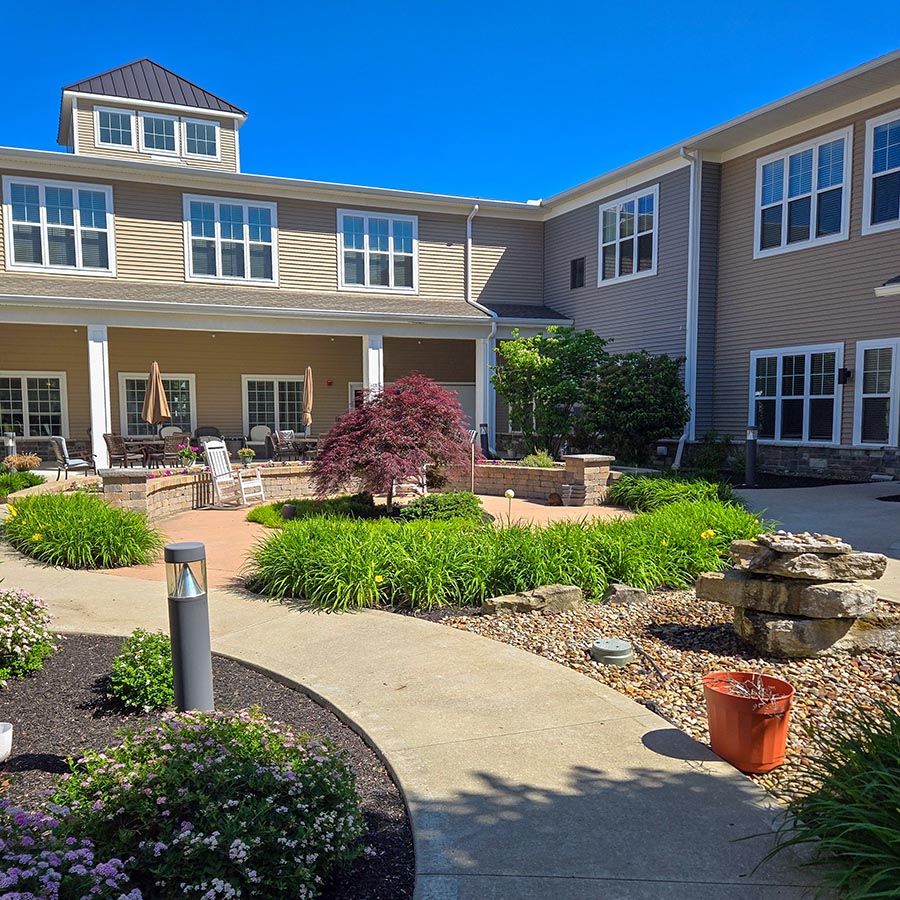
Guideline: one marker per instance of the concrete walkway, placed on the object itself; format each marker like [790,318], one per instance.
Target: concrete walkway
[524,779]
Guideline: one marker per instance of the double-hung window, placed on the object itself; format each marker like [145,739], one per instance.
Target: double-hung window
[629,236]
[201,138]
[180,392]
[33,404]
[875,416]
[803,195]
[60,226]
[378,251]
[881,191]
[114,128]
[273,400]
[159,133]
[794,394]
[231,240]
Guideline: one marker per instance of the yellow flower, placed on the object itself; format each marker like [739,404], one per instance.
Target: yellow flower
[12,510]
[664,542]
[706,535]
[379,579]
[37,536]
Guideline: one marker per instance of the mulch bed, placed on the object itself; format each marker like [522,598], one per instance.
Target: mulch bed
[62,709]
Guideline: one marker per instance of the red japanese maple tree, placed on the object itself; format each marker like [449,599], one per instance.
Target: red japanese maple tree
[391,435]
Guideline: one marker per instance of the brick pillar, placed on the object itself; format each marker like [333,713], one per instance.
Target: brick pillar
[587,477]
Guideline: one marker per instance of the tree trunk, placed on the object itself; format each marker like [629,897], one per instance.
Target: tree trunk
[390,499]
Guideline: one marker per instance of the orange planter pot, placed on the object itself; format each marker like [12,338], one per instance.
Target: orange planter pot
[749,733]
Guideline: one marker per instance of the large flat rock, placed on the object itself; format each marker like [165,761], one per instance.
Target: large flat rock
[793,597]
[853,566]
[547,598]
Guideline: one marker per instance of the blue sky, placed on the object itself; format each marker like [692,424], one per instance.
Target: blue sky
[495,99]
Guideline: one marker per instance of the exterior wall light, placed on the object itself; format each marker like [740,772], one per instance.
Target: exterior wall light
[186,586]
[844,375]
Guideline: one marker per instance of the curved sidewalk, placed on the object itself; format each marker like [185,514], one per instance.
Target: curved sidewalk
[524,779]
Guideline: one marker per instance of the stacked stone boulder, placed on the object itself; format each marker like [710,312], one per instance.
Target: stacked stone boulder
[801,595]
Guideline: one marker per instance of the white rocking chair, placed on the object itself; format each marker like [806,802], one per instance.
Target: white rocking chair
[248,482]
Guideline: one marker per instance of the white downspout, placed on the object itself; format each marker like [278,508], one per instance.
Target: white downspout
[693,300]
[489,399]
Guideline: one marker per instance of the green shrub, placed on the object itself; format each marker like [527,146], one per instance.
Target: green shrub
[449,505]
[708,457]
[25,638]
[141,676]
[351,506]
[338,564]
[644,493]
[848,804]
[80,531]
[203,797]
[10,482]
[540,459]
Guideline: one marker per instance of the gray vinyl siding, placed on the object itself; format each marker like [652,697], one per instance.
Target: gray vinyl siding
[710,185]
[507,261]
[646,313]
[816,295]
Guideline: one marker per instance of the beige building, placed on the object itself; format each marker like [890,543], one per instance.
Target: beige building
[763,251]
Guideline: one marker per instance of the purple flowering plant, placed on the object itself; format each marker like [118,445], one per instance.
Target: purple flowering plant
[25,637]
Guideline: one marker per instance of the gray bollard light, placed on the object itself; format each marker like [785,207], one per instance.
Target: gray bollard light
[750,456]
[189,626]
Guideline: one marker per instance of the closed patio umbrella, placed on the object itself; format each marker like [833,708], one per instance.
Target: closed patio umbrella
[156,406]
[306,417]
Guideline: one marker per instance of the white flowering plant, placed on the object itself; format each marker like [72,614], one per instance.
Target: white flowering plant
[141,675]
[216,805]
[25,638]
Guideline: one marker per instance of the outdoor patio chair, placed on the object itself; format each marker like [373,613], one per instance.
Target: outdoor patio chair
[66,463]
[283,446]
[206,433]
[166,430]
[247,481]
[167,455]
[258,439]
[119,452]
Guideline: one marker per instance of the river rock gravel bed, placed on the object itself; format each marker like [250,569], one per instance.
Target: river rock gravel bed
[684,639]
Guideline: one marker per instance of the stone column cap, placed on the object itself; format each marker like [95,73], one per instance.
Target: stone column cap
[590,457]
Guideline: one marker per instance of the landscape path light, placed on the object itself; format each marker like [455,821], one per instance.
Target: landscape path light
[509,494]
[750,456]
[189,626]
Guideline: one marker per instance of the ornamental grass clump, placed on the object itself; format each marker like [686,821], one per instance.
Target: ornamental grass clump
[80,531]
[25,638]
[351,506]
[141,675]
[10,482]
[216,805]
[540,459]
[644,493]
[848,803]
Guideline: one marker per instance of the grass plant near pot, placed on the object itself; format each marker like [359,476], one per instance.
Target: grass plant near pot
[141,675]
[25,637]
[644,493]
[80,531]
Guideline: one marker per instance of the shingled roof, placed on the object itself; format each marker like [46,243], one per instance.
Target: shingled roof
[147,80]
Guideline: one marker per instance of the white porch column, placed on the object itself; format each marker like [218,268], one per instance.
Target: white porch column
[485,400]
[373,362]
[98,377]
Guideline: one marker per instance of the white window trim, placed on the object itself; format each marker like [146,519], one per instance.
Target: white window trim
[392,217]
[617,202]
[143,115]
[245,395]
[13,266]
[123,408]
[184,144]
[781,352]
[63,393]
[120,111]
[894,394]
[867,227]
[843,234]
[232,201]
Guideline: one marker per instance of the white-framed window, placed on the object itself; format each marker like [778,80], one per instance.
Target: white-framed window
[803,195]
[877,393]
[629,236]
[34,404]
[201,138]
[273,400]
[881,187]
[377,251]
[181,392]
[794,396]
[159,133]
[114,128]
[58,226]
[232,241]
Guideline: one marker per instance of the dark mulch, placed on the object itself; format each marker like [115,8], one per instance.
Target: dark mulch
[62,709]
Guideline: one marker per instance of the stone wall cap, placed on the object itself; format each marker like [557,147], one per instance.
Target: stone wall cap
[590,457]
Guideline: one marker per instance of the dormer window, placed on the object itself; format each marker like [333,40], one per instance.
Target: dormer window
[201,138]
[159,133]
[114,127]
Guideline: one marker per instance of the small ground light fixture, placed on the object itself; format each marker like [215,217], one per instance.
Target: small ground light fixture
[509,493]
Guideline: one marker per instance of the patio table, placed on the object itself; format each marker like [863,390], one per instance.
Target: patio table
[144,446]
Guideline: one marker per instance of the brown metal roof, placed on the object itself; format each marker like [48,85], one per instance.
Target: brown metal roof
[144,79]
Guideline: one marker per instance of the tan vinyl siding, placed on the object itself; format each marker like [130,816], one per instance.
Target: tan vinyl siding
[507,261]
[87,143]
[710,189]
[441,360]
[646,313]
[816,295]
[218,362]
[52,348]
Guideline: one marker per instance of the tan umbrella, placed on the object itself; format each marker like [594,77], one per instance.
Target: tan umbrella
[306,417]
[156,406]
